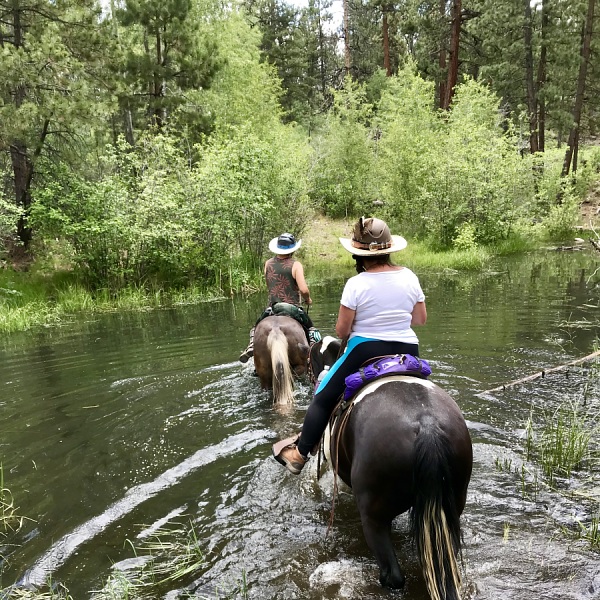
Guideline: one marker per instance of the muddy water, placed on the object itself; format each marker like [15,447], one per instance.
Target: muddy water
[117,427]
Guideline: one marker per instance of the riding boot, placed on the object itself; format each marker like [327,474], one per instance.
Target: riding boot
[291,459]
[249,351]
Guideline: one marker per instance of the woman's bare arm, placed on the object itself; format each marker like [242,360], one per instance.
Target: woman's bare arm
[298,275]
[419,314]
[345,319]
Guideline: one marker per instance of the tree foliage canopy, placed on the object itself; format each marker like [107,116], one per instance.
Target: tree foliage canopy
[167,141]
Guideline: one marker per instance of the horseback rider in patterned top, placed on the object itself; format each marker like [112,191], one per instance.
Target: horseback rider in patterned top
[285,283]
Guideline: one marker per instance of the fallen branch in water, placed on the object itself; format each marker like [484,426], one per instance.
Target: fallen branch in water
[541,373]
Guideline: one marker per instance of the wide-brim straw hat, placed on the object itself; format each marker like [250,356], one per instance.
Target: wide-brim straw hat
[284,244]
[372,237]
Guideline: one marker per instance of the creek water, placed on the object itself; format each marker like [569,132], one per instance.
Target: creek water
[116,427]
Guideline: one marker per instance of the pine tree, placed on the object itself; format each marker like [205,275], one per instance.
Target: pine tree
[164,55]
[49,87]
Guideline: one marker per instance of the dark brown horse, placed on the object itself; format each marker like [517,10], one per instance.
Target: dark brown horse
[280,353]
[405,446]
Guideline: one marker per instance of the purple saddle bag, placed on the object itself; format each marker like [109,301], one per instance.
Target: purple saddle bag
[399,364]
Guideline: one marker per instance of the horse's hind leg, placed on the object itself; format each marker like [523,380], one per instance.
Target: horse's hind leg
[379,538]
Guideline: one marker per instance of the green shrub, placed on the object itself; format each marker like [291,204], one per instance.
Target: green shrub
[156,219]
[343,179]
[440,172]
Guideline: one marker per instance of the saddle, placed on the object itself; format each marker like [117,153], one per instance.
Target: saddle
[375,368]
[382,366]
[286,309]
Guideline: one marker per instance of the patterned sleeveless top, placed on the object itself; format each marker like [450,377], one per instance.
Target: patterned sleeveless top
[280,283]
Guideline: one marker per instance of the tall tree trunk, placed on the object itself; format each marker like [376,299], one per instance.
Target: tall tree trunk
[386,44]
[22,174]
[442,59]
[346,39]
[530,84]
[454,48]
[158,83]
[322,69]
[541,80]
[19,153]
[585,57]
[128,126]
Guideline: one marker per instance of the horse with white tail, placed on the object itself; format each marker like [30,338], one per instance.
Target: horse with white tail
[280,355]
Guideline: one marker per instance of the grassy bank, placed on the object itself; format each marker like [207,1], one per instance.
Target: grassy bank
[47,296]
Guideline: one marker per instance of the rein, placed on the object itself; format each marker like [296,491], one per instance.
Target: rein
[344,416]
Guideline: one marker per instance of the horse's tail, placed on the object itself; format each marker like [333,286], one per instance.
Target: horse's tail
[435,517]
[283,380]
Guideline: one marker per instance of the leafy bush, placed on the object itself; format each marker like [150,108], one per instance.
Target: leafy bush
[9,216]
[157,219]
[441,172]
[465,238]
[560,222]
[343,181]
[407,150]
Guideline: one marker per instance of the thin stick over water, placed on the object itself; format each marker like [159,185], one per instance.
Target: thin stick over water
[542,373]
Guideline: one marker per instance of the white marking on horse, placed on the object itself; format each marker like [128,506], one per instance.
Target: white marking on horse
[368,389]
[371,387]
[325,344]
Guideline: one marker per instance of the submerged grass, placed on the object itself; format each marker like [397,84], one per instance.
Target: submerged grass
[169,557]
[562,443]
[590,532]
[561,446]
[54,591]
[9,519]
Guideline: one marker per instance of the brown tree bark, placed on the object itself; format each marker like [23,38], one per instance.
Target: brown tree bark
[454,48]
[442,59]
[541,79]
[158,83]
[22,175]
[347,63]
[322,70]
[22,166]
[386,44]
[530,84]
[581,79]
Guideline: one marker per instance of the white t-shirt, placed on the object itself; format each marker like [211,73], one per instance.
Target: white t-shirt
[383,302]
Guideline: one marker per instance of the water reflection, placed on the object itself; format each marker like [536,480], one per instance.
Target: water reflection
[114,426]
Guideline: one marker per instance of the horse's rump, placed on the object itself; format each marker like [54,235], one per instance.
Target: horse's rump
[342,413]
[280,352]
[405,445]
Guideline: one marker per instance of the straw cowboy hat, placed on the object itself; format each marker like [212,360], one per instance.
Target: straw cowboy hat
[372,237]
[284,244]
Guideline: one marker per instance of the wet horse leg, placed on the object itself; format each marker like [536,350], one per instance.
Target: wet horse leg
[377,530]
